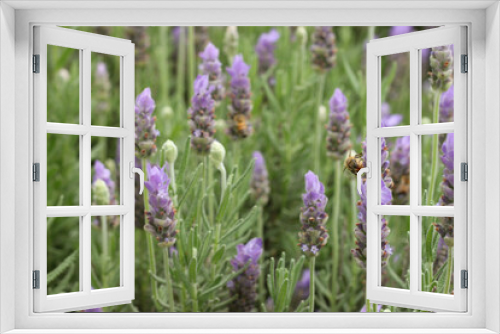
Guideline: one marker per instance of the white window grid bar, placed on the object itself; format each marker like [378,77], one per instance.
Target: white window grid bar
[107,296]
[415,210]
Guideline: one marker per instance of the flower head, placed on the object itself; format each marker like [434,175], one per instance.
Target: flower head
[446,106]
[399,30]
[145,131]
[265,52]
[389,119]
[338,141]
[201,116]
[441,74]
[386,183]
[211,66]
[244,285]
[400,170]
[259,183]
[323,49]
[161,217]
[239,125]
[313,235]
[104,174]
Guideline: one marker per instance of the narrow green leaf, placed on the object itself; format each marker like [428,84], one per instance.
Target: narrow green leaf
[192,270]
[219,254]
[62,267]
[190,185]
[182,169]
[244,175]
[282,296]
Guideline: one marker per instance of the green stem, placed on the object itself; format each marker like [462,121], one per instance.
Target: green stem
[105,251]
[171,170]
[166,268]
[151,249]
[181,66]
[211,202]
[447,283]
[191,60]
[368,306]
[260,234]
[318,132]
[435,151]
[352,226]
[335,231]
[223,180]
[312,264]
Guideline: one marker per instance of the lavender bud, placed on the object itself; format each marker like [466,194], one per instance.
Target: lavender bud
[323,49]
[322,114]
[244,285]
[104,174]
[400,170]
[265,53]
[259,183]
[217,154]
[211,66]
[231,42]
[100,193]
[145,131]
[170,151]
[338,132]
[161,217]
[201,116]
[302,36]
[441,61]
[241,104]
[313,235]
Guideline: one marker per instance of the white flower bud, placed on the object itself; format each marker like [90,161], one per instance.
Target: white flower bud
[170,151]
[302,35]
[217,153]
[167,112]
[64,74]
[322,114]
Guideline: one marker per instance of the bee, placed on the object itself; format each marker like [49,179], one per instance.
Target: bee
[353,163]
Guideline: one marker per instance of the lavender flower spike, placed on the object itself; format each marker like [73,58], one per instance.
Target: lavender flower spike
[323,49]
[241,104]
[259,182]
[102,173]
[313,235]
[244,285]
[265,52]
[386,183]
[441,61]
[338,132]
[201,116]
[145,131]
[161,217]
[445,228]
[211,66]
[446,106]
[399,30]
[400,170]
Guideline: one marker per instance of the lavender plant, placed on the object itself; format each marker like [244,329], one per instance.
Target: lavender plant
[239,125]
[313,235]
[145,130]
[201,116]
[338,143]
[265,54]
[400,170]
[244,285]
[211,66]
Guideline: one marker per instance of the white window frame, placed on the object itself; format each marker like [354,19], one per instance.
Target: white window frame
[85,44]
[415,210]
[484,103]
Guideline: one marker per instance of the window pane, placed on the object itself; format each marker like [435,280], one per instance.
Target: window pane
[437,254]
[105,168]
[63,239]
[63,170]
[437,84]
[397,182]
[395,72]
[105,90]
[395,238]
[105,252]
[438,169]
[63,85]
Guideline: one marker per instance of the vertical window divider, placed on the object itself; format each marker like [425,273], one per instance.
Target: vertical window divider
[415,277]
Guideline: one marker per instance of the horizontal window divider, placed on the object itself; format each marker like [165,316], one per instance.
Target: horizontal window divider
[67,129]
[67,211]
[434,129]
[106,131]
[392,210]
[434,211]
[393,131]
[108,210]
